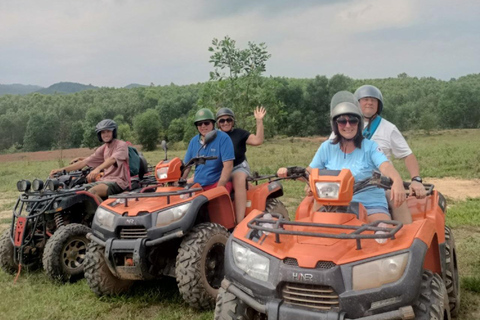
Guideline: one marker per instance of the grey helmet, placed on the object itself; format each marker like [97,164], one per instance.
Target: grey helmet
[342,96]
[368,91]
[344,102]
[225,112]
[106,124]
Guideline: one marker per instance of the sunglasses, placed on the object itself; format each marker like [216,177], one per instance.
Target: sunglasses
[200,123]
[222,121]
[352,120]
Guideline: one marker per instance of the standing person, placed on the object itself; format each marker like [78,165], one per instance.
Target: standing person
[240,139]
[214,172]
[387,136]
[112,157]
[350,150]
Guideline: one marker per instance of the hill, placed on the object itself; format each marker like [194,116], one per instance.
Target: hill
[66,87]
[18,88]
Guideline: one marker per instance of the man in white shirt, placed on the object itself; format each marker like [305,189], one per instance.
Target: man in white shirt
[387,136]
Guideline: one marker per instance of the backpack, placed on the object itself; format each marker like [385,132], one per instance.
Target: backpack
[133,161]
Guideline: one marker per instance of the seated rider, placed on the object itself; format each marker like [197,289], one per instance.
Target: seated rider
[240,139]
[214,172]
[350,150]
[112,157]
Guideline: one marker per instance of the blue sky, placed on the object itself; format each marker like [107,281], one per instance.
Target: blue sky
[115,43]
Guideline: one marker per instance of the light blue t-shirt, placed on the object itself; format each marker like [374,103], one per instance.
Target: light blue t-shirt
[210,172]
[361,163]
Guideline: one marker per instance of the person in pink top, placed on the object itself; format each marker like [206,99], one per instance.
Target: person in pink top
[111,157]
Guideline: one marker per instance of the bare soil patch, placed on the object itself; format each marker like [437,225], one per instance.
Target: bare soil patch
[457,189]
[67,154]
[46,155]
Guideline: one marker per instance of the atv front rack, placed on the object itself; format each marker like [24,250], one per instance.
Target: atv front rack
[276,226]
[137,195]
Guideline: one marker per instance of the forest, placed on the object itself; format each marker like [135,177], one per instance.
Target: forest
[295,107]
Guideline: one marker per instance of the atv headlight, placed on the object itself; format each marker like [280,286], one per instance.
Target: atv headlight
[104,218]
[53,184]
[376,273]
[23,185]
[252,263]
[162,173]
[327,190]
[37,185]
[170,215]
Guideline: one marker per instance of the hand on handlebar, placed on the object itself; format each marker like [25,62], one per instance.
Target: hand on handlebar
[418,189]
[282,172]
[55,172]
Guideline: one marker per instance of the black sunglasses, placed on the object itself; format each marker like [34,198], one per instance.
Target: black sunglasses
[200,123]
[222,121]
[352,120]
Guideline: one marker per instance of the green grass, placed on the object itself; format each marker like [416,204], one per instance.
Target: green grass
[453,154]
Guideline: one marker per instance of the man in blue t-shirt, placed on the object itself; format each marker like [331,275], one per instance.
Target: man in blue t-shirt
[214,172]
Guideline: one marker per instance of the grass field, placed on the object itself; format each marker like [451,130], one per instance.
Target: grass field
[444,154]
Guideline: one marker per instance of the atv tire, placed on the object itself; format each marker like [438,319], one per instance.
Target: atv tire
[229,307]
[432,302]
[452,282]
[6,254]
[199,268]
[64,255]
[274,205]
[99,277]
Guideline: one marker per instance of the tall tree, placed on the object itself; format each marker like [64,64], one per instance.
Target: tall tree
[147,128]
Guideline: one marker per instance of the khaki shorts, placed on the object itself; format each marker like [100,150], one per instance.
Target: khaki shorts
[113,187]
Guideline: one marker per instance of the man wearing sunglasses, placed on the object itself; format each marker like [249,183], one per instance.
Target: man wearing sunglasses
[240,139]
[214,172]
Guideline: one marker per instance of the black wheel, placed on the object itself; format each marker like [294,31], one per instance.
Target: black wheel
[64,255]
[99,277]
[229,307]
[199,268]
[31,255]
[276,206]
[432,303]
[452,282]
[6,254]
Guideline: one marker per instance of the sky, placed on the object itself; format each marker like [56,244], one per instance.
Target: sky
[113,43]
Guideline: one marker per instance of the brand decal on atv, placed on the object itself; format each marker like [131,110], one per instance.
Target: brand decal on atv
[130,221]
[19,231]
[298,276]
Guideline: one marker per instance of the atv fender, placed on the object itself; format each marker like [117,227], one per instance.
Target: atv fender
[80,196]
[220,208]
[435,253]
[259,194]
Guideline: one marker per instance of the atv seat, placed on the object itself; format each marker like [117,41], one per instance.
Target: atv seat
[143,167]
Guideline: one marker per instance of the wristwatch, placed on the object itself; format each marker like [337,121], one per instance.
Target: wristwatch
[418,179]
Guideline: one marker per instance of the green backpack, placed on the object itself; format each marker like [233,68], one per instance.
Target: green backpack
[133,161]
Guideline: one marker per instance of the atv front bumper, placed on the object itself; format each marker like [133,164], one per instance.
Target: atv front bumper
[127,259]
[279,311]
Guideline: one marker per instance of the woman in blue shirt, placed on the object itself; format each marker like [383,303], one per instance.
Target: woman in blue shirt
[349,150]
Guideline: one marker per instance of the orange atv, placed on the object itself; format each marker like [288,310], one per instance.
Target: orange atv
[172,229]
[331,264]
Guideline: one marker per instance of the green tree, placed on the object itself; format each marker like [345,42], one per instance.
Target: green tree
[147,128]
[90,139]
[176,130]
[238,72]
[38,135]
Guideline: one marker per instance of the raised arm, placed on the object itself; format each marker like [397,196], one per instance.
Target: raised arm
[257,139]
